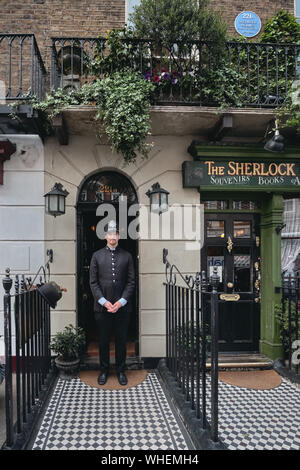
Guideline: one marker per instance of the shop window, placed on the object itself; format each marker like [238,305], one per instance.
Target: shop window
[289,205]
[216,205]
[242,229]
[245,205]
[215,228]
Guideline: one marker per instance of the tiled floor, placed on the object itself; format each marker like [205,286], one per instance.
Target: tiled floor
[259,419]
[83,417]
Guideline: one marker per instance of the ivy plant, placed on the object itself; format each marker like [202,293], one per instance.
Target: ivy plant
[123,105]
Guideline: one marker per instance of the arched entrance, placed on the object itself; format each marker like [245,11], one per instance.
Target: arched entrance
[108,187]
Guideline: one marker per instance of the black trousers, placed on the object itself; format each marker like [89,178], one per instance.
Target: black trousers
[108,323]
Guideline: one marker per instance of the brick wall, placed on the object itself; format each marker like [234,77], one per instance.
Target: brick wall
[47,18]
[229,9]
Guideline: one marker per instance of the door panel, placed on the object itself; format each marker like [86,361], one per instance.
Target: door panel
[231,246]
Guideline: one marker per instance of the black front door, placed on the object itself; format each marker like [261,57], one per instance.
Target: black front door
[232,245]
[111,190]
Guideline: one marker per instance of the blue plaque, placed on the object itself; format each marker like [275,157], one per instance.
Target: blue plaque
[248,24]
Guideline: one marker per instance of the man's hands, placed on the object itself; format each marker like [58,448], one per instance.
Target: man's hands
[112,308]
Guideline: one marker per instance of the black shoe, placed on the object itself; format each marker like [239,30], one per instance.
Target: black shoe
[122,378]
[102,378]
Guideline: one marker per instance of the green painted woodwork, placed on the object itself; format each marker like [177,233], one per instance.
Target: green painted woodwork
[271,217]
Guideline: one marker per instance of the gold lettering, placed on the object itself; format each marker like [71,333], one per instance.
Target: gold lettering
[210,164]
[280,171]
[275,171]
[290,169]
[256,169]
[248,171]
[232,170]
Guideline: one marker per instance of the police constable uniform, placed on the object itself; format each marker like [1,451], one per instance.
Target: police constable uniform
[112,278]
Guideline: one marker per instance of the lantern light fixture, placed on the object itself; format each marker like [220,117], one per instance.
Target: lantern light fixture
[276,143]
[158,199]
[55,200]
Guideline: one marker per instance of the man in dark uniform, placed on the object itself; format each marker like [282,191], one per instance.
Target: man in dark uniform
[112,281]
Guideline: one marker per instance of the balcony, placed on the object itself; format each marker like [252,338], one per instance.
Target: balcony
[195,86]
[260,74]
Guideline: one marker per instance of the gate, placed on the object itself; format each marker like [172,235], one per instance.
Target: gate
[192,339]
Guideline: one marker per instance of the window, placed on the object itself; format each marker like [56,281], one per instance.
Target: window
[297,10]
[216,205]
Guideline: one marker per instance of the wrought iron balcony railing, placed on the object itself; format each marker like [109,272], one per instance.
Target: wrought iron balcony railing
[243,74]
[239,74]
[22,71]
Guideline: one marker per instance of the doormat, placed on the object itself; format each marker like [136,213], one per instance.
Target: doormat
[254,379]
[135,377]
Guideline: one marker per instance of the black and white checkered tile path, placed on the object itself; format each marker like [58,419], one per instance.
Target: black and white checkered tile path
[87,418]
[259,419]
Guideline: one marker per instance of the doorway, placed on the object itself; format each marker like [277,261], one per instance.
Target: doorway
[232,245]
[105,187]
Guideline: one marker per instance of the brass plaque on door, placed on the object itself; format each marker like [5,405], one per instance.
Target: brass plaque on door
[230,297]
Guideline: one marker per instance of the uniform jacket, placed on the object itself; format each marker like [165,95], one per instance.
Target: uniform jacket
[112,283]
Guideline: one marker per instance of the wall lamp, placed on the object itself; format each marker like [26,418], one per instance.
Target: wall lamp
[276,143]
[55,200]
[158,199]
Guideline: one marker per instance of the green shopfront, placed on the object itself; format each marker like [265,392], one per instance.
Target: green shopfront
[243,191]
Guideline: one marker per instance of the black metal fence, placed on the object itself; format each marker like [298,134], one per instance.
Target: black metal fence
[22,71]
[192,335]
[28,369]
[247,74]
[289,322]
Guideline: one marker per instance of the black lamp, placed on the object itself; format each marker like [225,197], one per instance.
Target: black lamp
[55,200]
[276,143]
[158,199]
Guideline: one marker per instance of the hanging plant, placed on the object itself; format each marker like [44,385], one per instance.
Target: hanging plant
[123,105]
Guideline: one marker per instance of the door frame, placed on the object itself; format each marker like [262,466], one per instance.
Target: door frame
[82,208]
[239,215]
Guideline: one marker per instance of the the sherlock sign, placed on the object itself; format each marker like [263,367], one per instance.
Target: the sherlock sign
[230,175]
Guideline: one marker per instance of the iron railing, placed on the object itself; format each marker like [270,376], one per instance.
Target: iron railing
[251,74]
[192,334]
[28,366]
[289,322]
[22,72]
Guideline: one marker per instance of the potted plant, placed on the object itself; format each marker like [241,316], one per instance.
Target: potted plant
[68,345]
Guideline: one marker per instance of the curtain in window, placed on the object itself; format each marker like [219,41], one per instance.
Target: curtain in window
[290,241]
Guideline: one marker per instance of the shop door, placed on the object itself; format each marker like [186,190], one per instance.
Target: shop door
[232,244]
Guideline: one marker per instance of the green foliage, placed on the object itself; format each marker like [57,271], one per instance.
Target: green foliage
[288,115]
[287,334]
[123,105]
[226,90]
[282,27]
[123,51]
[166,22]
[125,111]
[69,344]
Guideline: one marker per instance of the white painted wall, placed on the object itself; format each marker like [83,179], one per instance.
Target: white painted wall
[22,212]
[70,165]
